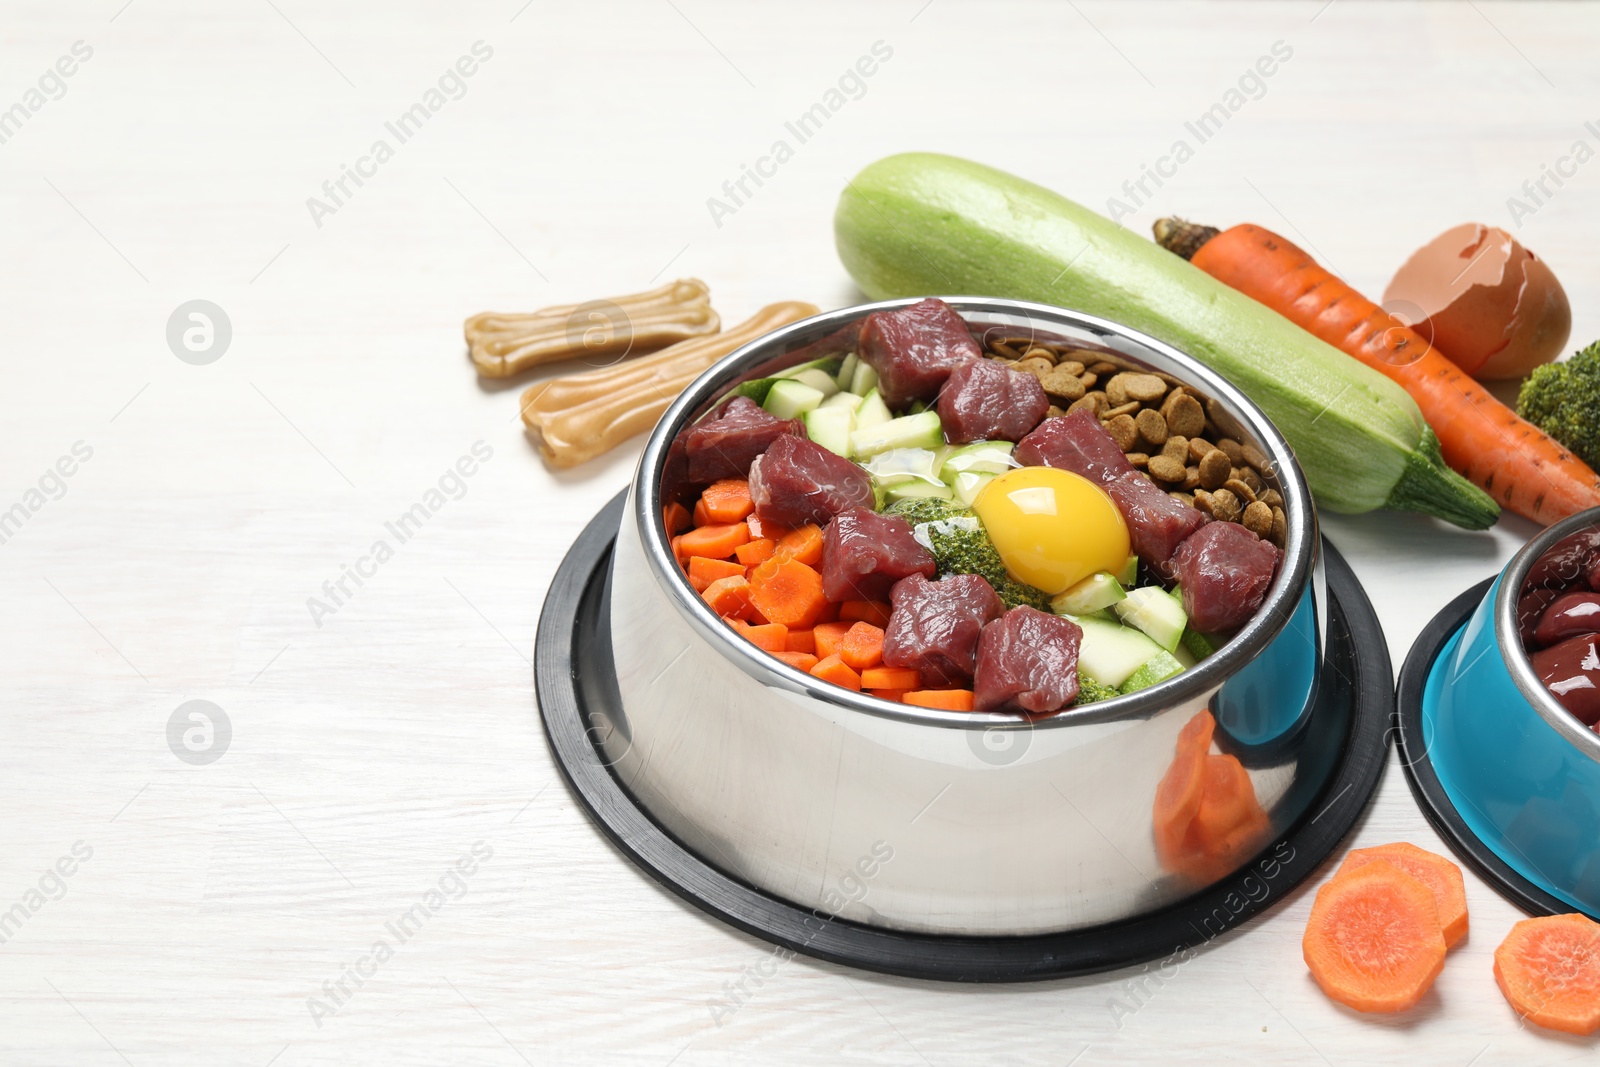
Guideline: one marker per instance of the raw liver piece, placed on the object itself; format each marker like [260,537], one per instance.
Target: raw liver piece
[798,481]
[1027,660]
[864,554]
[1565,563]
[935,626]
[1157,522]
[1571,671]
[983,401]
[915,349]
[1569,615]
[1076,443]
[724,445]
[1225,571]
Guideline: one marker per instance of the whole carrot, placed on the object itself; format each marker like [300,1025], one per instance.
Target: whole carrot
[1514,461]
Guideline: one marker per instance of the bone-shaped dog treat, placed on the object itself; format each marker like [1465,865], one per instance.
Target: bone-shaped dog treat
[503,344]
[578,417]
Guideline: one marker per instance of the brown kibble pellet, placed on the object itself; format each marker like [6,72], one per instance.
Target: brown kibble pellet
[1088,379]
[1271,498]
[1103,368]
[1124,431]
[1280,527]
[1253,480]
[1040,353]
[1138,459]
[1000,348]
[1238,488]
[1060,385]
[1089,401]
[1117,390]
[1191,478]
[1257,519]
[1152,428]
[1225,506]
[1233,448]
[1129,409]
[1214,469]
[1166,469]
[1182,498]
[1184,415]
[1202,500]
[1256,458]
[1146,388]
[1177,448]
[1054,412]
[1198,447]
[1037,367]
[1071,366]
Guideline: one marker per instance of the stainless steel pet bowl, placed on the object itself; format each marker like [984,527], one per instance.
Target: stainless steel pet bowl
[933,821]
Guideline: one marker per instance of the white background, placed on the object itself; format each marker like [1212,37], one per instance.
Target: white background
[369,753]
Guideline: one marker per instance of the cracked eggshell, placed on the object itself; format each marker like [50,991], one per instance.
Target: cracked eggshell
[1486,302]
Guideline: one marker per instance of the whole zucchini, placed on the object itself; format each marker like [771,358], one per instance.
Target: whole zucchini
[919,223]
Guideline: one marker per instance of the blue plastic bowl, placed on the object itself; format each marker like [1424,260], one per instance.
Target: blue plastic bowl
[1522,771]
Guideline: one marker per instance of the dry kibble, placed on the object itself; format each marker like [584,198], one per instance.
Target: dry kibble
[1167,469]
[1103,368]
[1060,385]
[1152,428]
[1130,409]
[1198,447]
[1117,390]
[1124,431]
[1191,478]
[1280,527]
[1253,480]
[1270,498]
[1138,459]
[1054,412]
[1146,388]
[1000,348]
[1090,402]
[1177,448]
[1202,500]
[1258,519]
[1214,469]
[1037,367]
[1225,506]
[1256,458]
[1184,415]
[1182,498]
[1040,353]
[1233,448]
[1240,489]
[1071,366]
[1088,379]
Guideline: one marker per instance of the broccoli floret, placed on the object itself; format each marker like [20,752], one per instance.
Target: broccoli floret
[1563,400]
[961,546]
[1090,690]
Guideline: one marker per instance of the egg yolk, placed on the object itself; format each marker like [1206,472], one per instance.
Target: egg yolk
[1051,527]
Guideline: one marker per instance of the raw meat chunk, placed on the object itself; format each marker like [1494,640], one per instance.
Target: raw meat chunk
[934,626]
[915,349]
[798,481]
[724,445]
[1225,571]
[864,554]
[984,401]
[1027,660]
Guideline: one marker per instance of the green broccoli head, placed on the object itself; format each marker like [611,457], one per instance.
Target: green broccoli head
[1090,690]
[1563,400]
[961,546]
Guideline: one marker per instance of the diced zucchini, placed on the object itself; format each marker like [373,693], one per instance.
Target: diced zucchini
[980,457]
[1095,593]
[849,401]
[917,490]
[789,399]
[903,465]
[916,407]
[1200,645]
[908,431]
[1111,653]
[818,379]
[830,427]
[1129,572]
[1150,609]
[1184,656]
[873,411]
[1157,668]
[967,486]
[847,372]
[864,379]
[829,365]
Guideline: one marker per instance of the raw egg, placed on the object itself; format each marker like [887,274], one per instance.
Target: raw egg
[1051,527]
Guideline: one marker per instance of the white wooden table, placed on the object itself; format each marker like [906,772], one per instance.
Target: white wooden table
[371,752]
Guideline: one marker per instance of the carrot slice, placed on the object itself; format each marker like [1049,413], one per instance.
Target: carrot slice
[675,517]
[727,500]
[702,517]
[894,696]
[772,636]
[803,545]
[756,552]
[1433,871]
[703,571]
[891,678]
[712,542]
[1549,970]
[804,660]
[833,669]
[829,637]
[1374,941]
[943,699]
[730,598]
[865,611]
[801,641]
[787,591]
[862,646]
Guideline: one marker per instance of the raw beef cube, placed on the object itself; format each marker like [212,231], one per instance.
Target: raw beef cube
[915,349]
[1076,443]
[1027,660]
[934,626]
[984,401]
[724,445]
[1157,522]
[864,554]
[798,481]
[1225,571]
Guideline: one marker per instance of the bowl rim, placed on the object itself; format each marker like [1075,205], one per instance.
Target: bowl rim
[1293,581]
[1518,663]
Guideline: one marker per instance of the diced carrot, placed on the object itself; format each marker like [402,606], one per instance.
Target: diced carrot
[833,669]
[801,641]
[770,530]
[1374,941]
[803,545]
[891,678]
[945,699]
[703,571]
[713,542]
[730,597]
[894,696]
[675,517]
[702,517]
[727,500]
[1433,871]
[804,660]
[756,552]
[865,611]
[829,637]
[787,591]
[1549,970]
[862,646]
[772,636]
